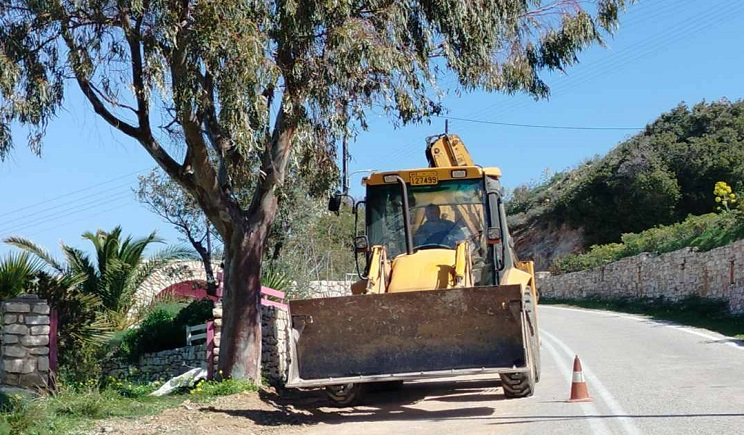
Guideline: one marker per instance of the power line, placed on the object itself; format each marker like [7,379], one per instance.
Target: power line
[553,127]
[67,204]
[58,197]
[108,210]
[61,214]
[599,68]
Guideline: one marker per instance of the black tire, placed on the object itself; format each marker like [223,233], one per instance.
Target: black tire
[345,395]
[518,385]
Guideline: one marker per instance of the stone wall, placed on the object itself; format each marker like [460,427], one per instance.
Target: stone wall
[327,289]
[718,273]
[274,351]
[161,365]
[25,342]
[217,315]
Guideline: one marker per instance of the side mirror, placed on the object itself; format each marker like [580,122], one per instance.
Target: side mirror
[334,202]
[361,244]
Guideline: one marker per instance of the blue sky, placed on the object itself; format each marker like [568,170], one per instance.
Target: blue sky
[665,52]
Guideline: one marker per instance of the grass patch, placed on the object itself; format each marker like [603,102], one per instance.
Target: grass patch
[206,390]
[70,411]
[73,409]
[695,311]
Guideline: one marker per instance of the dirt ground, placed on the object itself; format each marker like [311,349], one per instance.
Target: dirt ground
[265,412]
[296,411]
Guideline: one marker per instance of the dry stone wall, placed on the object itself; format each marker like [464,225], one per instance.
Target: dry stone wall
[718,273]
[327,289]
[274,351]
[25,342]
[161,365]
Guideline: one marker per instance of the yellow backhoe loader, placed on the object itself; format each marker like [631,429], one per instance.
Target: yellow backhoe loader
[441,292]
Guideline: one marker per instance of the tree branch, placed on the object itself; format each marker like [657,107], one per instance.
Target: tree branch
[215,199]
[143,103]
[274,161]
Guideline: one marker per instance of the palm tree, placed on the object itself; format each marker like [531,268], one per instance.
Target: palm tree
[17,272]
[113,273]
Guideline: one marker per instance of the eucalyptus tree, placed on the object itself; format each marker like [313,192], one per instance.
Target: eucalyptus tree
[245,87]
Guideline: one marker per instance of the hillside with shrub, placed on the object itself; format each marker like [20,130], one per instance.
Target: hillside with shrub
[658,177]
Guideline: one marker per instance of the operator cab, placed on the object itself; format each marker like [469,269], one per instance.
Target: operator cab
[445,206]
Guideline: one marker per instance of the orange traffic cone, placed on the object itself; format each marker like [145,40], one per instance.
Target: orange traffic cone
[579,393]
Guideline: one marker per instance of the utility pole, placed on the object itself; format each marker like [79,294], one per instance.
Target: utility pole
[345,151]
[209,239]
[345,164]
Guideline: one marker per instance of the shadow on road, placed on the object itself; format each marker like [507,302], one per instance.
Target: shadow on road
[307,407]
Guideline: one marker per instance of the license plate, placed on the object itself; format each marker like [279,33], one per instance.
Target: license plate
[423,178]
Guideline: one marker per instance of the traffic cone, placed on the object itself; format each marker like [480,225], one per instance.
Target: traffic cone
[579,393]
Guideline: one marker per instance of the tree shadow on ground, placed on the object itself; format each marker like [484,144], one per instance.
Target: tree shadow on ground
[310,406]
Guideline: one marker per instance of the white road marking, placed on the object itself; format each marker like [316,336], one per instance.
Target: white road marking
[597,386]
[589,409]
[640,318]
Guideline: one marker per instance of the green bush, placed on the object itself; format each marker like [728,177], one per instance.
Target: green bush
[164,328]
[657,177]
[156,332]
[195,313]
[704,232]
[17,414]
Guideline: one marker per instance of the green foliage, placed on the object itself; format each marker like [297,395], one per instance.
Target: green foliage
[157,331]
[702,232]
[72,410]
[657,177]
[309,243]
[17,271]
[18,414]
[366,55]
[598,255]
[117,268]
[195,313]
[128,388]
[164,328]
[275,279]
[81,331]
[225,387]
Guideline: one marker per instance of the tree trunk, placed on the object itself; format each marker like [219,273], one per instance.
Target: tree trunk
[240,348]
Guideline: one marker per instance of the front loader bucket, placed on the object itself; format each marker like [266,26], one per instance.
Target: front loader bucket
[407,335]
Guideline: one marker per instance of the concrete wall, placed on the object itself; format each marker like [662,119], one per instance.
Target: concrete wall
[718,273]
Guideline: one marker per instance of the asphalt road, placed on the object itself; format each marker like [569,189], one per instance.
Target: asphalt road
[644,376]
